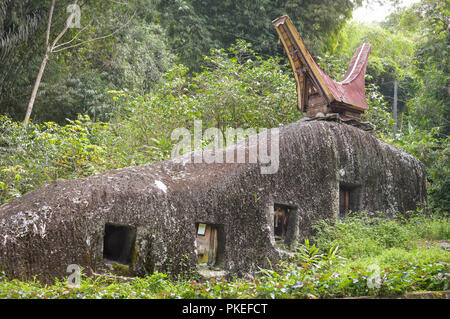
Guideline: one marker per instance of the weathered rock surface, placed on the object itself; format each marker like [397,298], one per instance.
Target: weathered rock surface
[44,231]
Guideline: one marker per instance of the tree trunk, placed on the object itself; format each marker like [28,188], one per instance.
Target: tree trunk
[36,86]
[394,112]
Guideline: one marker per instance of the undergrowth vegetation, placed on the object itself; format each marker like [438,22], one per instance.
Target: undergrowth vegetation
[360,255]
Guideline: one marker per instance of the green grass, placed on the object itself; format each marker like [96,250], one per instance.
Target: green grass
[360,255]
[361,235]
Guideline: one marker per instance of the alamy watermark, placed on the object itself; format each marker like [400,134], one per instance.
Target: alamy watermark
[228,146]
[74,279]
[374,279]
[73,21]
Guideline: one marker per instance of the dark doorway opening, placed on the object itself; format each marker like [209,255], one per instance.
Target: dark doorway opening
[283,217]
[348,199]
[118,243]
[344,202]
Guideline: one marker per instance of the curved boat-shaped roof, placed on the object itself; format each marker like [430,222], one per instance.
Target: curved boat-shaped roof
[350,90]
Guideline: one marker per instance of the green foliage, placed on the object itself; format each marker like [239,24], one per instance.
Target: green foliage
[240,89]
[362,236]
[19,20]
[35,154]
[115,50]
[197,26]
[434,152]
[308,255]
[430,105]
[236,88]
[292,282]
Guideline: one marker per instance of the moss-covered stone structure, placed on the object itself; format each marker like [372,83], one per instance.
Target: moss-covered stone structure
[139,219]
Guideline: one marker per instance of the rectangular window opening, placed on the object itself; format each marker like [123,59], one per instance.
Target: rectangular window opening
[210,244]
[281,221]
[118,243]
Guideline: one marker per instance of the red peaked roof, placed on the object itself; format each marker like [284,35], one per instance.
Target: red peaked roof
[350,90]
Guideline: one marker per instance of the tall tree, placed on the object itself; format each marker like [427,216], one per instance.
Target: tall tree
[119,47]
[50,47]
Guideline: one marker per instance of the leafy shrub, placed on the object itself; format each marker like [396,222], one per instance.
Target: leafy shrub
[292,282]
[424,255]
[309,255]
[434,227]
[236,88]
[35,154]
[362,236]
[434,152]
